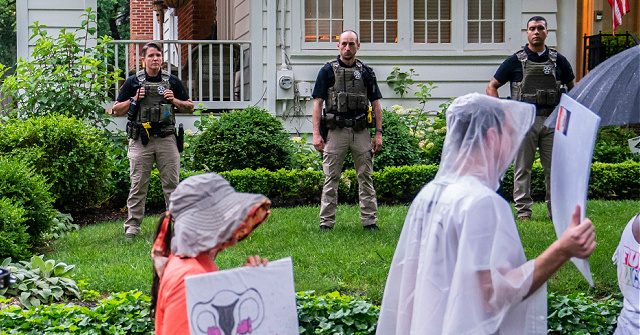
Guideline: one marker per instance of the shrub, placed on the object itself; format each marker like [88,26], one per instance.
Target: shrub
[249,138]
[578,313]
[40,282]
[398,185]
[612,146]
[120,313]
[334,313]
[73,156]
[305,156]
[63,75]
[30,191]
[14,240]
[62,224]
[119,180]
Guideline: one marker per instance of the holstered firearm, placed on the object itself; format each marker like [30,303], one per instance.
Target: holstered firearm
[180,138]
[324,130]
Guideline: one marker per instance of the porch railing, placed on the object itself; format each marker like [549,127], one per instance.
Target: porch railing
[600,47]
[215,74]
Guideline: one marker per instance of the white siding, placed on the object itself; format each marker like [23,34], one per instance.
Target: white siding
[242,19]
[56,15]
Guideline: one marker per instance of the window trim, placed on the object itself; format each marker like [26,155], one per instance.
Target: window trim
[405,45]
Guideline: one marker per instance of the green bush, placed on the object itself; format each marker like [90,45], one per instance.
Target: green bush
[612,145]
[62,225]
[334,313]
[305,156]
[14,240]
[120,313]
[73,156]
[40,282]
[398,185]
[578,313]
[249,138]
[30,191]
[119,180]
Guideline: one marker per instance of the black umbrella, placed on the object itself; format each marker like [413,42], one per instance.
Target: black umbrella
[611,90]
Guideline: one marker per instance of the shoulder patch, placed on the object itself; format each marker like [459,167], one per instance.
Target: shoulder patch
[522,55]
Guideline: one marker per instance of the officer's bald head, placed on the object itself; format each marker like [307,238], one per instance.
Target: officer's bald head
[348,32]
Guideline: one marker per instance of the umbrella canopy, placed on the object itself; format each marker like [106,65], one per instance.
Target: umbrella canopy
[611,90]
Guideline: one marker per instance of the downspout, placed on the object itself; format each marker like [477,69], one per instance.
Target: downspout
[283,47]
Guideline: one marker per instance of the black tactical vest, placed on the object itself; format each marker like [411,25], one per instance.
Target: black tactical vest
[348,96]
[152,108]
[539,85]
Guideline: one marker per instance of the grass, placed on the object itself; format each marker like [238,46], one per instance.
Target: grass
[347,259]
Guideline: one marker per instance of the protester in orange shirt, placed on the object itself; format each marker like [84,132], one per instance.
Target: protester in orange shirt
[208,216]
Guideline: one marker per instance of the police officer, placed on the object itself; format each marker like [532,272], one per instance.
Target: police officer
[150,99]
[346,86]
[538,74]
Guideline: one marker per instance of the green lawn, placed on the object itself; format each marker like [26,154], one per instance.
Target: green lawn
[347,259]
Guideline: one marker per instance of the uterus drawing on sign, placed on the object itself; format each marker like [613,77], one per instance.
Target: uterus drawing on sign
[229,313]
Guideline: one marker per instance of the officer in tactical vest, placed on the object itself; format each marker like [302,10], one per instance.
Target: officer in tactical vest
[349,92]
[538,75]
[150,99]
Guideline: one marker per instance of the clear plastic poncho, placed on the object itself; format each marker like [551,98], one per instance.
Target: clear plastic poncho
[459,266]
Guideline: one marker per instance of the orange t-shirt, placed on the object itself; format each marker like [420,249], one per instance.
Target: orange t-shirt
[171,308]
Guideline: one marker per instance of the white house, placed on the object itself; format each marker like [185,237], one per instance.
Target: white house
[236,53]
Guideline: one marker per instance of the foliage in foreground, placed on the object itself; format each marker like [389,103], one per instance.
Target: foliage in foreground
[578,313]
[40,282]
[333,313]
[121,313]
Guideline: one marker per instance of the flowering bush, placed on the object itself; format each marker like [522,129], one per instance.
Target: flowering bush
[428,128]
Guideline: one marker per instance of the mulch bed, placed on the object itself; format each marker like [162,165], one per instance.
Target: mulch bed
[97,215]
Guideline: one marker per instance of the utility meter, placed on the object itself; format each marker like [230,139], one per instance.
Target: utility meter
[285,84]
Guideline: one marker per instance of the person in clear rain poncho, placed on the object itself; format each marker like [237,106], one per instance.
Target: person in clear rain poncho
[459,266]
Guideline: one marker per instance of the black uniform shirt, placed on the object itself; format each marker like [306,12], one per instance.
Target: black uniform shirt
[130,86]
[511,68]
[326,78]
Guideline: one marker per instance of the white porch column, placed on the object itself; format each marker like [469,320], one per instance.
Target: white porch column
[568,30]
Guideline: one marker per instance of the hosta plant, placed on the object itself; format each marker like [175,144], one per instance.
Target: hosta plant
[40,281]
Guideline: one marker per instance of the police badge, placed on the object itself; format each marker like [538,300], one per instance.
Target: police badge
[547,69]
[357,74]
[161,90]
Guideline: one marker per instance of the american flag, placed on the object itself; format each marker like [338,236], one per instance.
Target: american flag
[618,9]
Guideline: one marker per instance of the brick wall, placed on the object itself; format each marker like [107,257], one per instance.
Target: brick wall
[196,21]
[141,27]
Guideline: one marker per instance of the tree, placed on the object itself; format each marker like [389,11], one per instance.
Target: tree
[63,75]
[113,19]
[8,32]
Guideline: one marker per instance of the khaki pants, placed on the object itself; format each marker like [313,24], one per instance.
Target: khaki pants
[339,142]
[165,153]
[541,137]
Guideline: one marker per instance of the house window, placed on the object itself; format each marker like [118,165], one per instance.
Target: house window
[322,20]
[378,21]
[485,21]
[437,25]
[432,21]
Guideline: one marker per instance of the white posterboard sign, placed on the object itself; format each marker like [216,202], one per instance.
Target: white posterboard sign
[247,300]
[634,145]
[576,129]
